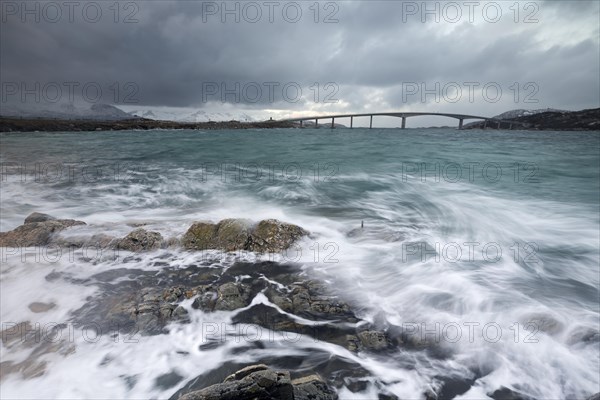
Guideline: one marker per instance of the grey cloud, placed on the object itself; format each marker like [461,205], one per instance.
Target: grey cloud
[172,52]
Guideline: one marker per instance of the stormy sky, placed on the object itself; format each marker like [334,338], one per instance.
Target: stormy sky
[285,58]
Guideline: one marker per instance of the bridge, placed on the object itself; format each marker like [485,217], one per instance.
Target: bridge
[403,115]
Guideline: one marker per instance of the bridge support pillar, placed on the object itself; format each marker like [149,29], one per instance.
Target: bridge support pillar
[460,123]
[301,123]
[485,124]
[403,122]
[332,123]
[371,123]
[351,122]
[316,122]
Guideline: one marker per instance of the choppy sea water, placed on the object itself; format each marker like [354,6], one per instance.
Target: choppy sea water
[483,242]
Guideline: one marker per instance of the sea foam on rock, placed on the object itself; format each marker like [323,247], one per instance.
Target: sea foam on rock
[37,230]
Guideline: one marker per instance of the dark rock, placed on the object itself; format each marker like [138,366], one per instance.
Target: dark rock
[312,387]
[505,393]
[141,240]
[252,383]
[373,340]
[594,397]
[310,299]
[231,296]
[167,381]
[147,311]
[227,297]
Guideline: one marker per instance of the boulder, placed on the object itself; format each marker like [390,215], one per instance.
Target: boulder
[38,217]
[233,234]
[312,387]
[141,240]
[200,236]
[271,235]
[37,231]
[239,234]
[256,382]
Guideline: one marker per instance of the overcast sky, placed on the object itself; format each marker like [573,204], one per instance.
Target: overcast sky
[362,56]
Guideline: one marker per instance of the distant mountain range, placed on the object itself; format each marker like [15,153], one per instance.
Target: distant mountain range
[67,111]
[539,119]
[197,116]
[106,112]
[522,112]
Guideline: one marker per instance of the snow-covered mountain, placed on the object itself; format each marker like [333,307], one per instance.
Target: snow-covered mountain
[196,116]
[64,111]
[522,112]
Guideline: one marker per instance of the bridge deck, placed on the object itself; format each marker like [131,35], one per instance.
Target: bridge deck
[403,115]
[387,114]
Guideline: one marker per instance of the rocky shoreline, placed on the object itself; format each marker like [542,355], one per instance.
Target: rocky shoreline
[267,295]
[584,120]
[8,124]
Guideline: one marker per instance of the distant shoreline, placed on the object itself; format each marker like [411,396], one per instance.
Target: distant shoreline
[584,120]
[14,124]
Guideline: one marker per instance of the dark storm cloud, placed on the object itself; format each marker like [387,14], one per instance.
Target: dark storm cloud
[174,52]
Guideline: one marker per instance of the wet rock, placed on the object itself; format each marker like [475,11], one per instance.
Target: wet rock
[272,235]
[239,234]
[505,393]
[233,234]
[228,235]
[594,397]
[544,323]
[310,299]
[200,236]
[252,383]
[244,372]
[147,311]
[312,387]
[583,334]
[97,241]
[141,240]
[373,340]
[38,217]
[37,307]
[227,297]
[231,297]
[36,233]
[168,380]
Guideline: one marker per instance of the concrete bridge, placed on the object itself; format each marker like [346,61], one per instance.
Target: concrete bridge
[403,115]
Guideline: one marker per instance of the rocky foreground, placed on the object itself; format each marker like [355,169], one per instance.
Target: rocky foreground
[277,297]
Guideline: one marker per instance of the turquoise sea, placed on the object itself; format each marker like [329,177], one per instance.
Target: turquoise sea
[484,242]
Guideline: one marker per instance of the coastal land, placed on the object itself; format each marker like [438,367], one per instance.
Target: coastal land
[552,120]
